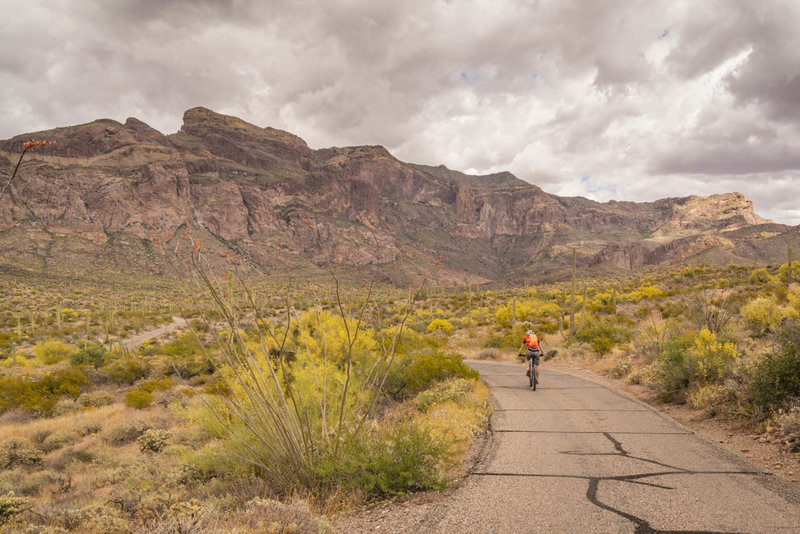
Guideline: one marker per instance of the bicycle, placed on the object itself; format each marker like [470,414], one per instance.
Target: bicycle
[531,372]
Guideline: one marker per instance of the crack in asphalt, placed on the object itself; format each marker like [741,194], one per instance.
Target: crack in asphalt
[641,526]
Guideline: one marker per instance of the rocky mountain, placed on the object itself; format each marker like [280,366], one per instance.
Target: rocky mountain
[124,196]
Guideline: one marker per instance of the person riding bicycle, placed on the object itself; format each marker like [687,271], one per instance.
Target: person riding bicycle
[533,349]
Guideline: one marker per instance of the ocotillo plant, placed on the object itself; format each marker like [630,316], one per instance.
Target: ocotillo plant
[25,147]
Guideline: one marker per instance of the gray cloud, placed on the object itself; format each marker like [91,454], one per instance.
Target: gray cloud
[592,98]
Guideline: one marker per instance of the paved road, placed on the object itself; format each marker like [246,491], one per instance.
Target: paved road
[575,456]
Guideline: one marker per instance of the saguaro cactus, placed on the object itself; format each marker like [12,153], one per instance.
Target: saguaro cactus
[572,302]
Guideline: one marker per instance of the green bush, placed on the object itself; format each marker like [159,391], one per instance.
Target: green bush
[404,458]
[776,379]
[40,395]
[453,390]
[186,344]
[603,336]
[52,351]
[94,355]
[440,325]
[673,375]
[434,366]
[128,370]
[761,315]
[138,398]
[499,341]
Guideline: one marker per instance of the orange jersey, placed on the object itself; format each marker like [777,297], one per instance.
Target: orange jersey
[532,341]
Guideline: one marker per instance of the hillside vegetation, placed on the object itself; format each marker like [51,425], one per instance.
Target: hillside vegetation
[281,404]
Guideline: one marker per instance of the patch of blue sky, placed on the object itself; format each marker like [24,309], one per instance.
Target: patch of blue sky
[598,190]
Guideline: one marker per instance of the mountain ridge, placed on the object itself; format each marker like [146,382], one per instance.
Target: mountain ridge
[110,189]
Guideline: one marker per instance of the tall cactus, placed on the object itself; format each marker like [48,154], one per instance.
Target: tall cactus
[572,302]
[583,309]
[614,299]
[514,311]
[574,327]
[789,266]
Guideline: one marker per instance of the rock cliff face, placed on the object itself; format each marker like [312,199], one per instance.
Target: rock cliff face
[111,195]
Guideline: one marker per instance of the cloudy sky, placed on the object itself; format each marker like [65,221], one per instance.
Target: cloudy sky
[626,100]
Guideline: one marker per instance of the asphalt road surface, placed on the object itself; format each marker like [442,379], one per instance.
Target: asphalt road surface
[574,456]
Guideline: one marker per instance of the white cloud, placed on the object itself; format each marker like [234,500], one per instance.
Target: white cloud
[648,99]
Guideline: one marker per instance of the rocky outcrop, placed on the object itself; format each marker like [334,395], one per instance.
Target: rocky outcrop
[278,203]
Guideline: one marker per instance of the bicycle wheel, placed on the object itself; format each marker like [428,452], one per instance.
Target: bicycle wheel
[531,375]
[535,381]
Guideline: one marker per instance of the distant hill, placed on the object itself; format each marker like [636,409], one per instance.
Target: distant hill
[111,197]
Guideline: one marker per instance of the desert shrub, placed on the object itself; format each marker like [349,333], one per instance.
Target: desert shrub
[713,314]
[52,351]
[59,439]
[153,440]
[603,336]
[279,516]
[432,366]
[710,358]
[125,432]
[440,325]
[403,457]
[18,452]
[759,276]
[24,482]
[128,370]
[499,341]
[451,390]
[40,395]
[189,366]
[138,398]
[94,355]
[156,384]
[673,374]
[185,344]
[11,506]
[712,399]
[489,354]
[761,315]
[95,399]
[775,380]
[149,348]
[213,460]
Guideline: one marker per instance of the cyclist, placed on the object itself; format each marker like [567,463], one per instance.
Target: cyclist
[533,349]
